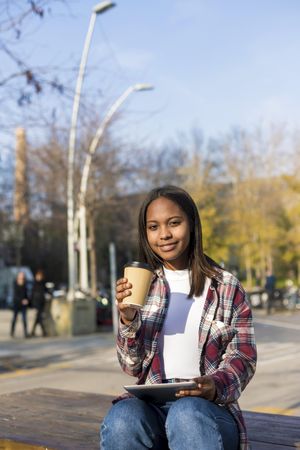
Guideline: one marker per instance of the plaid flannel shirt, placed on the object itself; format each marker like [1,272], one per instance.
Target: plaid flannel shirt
[226,341]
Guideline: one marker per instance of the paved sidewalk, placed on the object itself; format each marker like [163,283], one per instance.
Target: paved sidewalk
[5,321]
[89,363]
[38,345]
[279,316]
[18,354]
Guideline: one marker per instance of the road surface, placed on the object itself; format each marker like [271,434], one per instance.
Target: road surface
[89,363]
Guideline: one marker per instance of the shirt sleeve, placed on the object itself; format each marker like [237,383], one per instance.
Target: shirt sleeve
[239,360]
[130,348]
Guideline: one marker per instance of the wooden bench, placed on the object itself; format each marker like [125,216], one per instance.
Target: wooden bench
[65,420]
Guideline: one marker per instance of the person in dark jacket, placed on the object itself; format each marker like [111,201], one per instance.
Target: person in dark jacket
[38,299]
[20,303]
[270,286]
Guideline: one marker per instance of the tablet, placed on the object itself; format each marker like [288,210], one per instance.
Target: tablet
[160,392]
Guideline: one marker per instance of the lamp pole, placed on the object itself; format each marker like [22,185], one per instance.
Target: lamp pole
[98,9]
[85,174]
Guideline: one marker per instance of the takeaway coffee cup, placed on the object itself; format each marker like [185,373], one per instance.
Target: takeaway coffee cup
[140,276]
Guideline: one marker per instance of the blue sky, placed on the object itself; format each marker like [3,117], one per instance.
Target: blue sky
[214,63]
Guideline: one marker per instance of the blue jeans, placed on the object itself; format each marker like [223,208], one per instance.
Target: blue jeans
[189,423]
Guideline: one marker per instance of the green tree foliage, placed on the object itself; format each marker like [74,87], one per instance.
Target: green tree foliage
[292,211]
[254,200]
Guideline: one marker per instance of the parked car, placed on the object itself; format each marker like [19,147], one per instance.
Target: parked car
[259,298]
[104,308]
[291,297]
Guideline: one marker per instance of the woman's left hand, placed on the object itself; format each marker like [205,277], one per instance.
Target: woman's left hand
[206,388]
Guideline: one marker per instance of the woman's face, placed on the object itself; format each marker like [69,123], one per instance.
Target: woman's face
[168,232]
[21,278]
[39,276]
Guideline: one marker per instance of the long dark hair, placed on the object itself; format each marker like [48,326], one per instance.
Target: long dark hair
[199,265]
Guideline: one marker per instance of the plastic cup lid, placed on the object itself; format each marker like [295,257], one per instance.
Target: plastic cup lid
[139,265]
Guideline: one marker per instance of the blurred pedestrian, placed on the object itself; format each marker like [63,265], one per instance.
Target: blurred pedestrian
[38,299]
[291,292]
[20,302]
[270,286]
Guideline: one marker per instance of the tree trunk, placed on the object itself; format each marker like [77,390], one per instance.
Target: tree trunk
[248,267]
[263,264]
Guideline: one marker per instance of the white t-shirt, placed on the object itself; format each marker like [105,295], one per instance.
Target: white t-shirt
[178,341]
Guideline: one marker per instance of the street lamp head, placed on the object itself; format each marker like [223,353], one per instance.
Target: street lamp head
[143,87]
[102,7]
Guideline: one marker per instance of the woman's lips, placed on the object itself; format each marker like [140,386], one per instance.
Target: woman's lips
[167,247]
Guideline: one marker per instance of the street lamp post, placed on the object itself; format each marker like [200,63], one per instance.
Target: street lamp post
[98,9]
[85,174]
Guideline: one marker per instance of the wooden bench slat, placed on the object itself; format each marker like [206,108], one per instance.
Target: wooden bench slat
[67,420]
[269,446]
[62,420]
[273,429]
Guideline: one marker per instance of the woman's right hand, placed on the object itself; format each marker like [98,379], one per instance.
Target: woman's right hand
[127,313]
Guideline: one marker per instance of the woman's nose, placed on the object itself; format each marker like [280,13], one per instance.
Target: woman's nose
[165,233]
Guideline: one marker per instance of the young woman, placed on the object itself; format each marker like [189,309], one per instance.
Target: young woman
[196,324]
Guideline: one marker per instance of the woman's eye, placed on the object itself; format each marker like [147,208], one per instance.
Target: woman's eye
[174,223]
[152,227]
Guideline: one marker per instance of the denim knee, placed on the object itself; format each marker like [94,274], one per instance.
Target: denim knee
[128,425]
[123,415]
[185,411]
[194,422]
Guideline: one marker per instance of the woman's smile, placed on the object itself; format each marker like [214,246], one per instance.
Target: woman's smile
[167,247]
